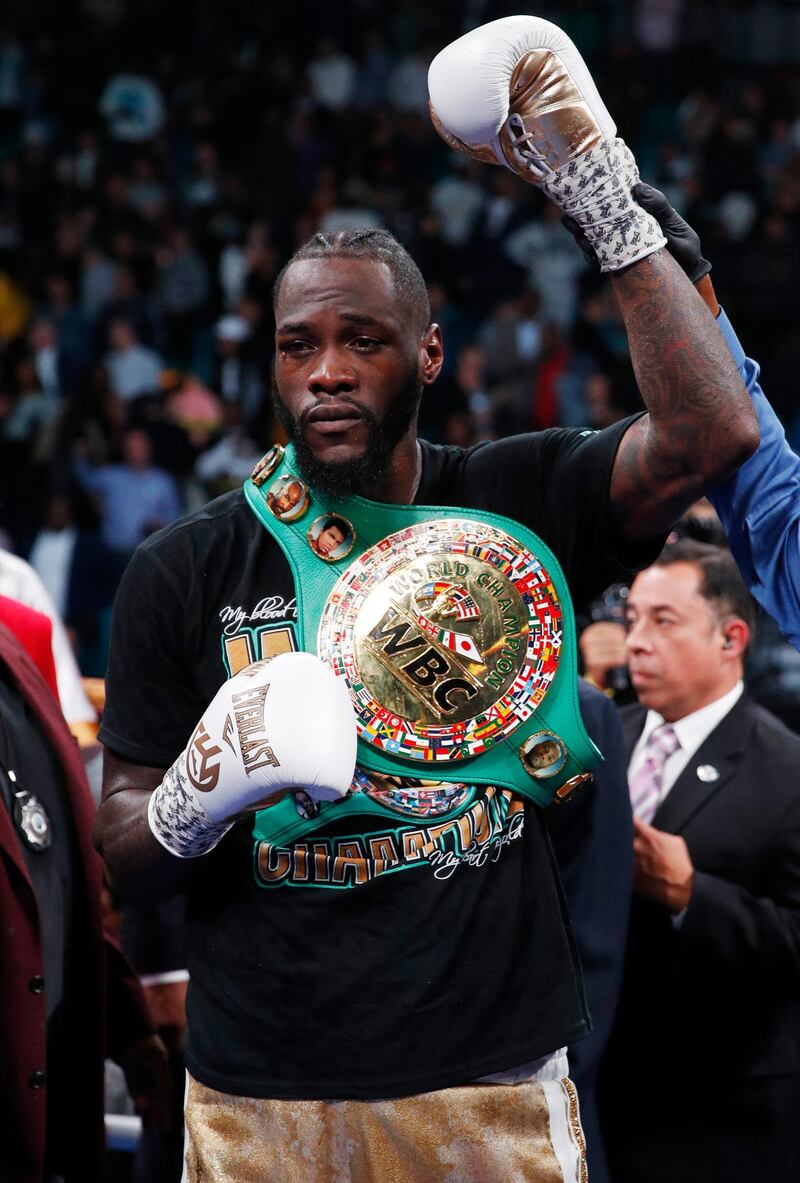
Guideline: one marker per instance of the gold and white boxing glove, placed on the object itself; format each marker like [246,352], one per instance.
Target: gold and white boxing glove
[284,723]
[516,92]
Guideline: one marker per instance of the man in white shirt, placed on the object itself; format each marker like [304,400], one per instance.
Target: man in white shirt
[706,1047]
[19,581]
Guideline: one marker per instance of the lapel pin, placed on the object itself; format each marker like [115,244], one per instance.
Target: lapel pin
[707,773]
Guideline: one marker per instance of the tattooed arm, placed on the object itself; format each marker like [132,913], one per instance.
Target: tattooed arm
[700,424]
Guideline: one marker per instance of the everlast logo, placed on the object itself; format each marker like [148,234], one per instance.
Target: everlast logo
[426,668]
[248,707]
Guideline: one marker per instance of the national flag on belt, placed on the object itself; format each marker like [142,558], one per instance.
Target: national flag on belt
[483,729]
[459,643]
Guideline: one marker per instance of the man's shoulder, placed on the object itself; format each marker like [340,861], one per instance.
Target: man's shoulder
[444,462]
[770,733]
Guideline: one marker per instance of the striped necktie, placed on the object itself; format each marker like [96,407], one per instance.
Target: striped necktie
[645,786]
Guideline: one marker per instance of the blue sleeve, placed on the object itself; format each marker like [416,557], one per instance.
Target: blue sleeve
[759,506]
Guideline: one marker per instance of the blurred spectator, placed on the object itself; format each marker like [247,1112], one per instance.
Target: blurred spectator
[457,200]
[30,408]
[192,406]
[127,302]
[51,363]
[228,462]
[332,75]
[81,576]
[133,369]
[602,409]
[511,340]
[183,289]
[407,85]
[553,268]
[19,581]
[98,276]
[136,497]
[133,106]
[237,376]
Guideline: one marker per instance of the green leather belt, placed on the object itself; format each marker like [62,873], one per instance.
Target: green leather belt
[455,633]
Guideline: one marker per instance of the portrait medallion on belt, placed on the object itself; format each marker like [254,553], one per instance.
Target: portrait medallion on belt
[448,634]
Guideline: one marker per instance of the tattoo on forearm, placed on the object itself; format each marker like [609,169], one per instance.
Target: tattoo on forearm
[701,423]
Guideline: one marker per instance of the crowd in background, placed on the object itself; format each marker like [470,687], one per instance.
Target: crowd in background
[154,178]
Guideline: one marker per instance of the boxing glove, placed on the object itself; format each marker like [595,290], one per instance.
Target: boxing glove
[516,92]
[283,723]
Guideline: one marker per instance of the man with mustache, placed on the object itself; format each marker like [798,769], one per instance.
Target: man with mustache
[710,990]
[334,972]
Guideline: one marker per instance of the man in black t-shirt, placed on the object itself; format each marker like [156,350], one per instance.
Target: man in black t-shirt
[383,964]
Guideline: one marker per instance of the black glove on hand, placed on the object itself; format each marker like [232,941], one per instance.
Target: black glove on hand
[682,242]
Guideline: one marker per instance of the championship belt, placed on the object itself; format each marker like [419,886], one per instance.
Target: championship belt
[453,630]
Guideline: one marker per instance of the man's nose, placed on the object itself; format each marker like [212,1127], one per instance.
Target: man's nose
[637,637]
[332,373]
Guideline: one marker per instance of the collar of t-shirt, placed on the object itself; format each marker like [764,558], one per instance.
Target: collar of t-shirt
[692,731]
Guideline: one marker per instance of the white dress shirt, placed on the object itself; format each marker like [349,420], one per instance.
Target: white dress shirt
[692,731]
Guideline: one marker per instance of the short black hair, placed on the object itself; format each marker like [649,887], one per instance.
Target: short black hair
[378,246]
[720,581]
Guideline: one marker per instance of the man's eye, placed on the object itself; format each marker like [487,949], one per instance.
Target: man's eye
[364,344]
[295,346]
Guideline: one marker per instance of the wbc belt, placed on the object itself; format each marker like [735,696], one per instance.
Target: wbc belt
[453,630]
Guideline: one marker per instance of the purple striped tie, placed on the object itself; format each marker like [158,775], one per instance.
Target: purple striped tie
[646,785]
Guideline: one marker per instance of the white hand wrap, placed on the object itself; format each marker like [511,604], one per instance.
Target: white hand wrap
[516,92]
[595,190]
[286,723]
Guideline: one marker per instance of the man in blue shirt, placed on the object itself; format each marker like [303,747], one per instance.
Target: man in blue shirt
[136,497]
[759,506]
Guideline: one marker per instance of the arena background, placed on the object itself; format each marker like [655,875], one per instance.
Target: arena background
[157,165]
[159,162]
[169,203]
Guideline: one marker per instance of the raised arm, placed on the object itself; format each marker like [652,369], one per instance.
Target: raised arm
[759,505]
[516,92]
[700,424]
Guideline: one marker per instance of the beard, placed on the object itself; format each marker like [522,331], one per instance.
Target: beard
[363,474]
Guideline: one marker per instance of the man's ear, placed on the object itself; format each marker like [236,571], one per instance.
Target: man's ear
[735,637]
[431,354]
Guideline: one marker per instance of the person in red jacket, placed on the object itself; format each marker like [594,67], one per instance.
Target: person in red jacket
[68,998]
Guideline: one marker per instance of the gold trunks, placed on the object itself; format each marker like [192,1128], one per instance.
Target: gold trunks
[479,1133]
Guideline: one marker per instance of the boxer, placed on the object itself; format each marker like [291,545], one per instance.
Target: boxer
[403,952]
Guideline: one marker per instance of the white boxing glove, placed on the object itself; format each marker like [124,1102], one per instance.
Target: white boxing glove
[516,92]
[283,723]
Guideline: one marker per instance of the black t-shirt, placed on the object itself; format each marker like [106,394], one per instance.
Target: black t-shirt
[319,972]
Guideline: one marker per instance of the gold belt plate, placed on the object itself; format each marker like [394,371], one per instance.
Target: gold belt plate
[448,635]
